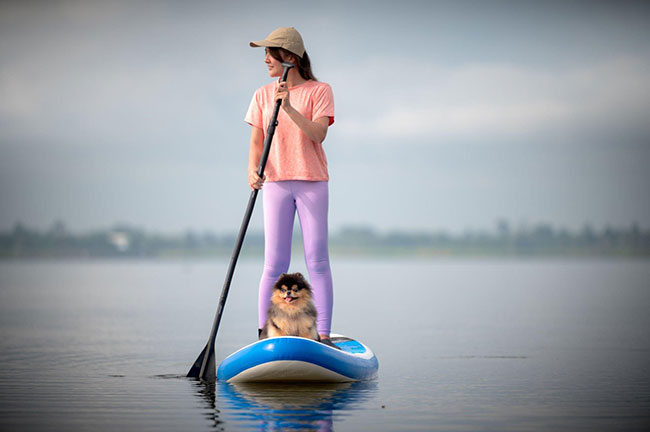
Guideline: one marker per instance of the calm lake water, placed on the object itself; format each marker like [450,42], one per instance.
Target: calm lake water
[462,345]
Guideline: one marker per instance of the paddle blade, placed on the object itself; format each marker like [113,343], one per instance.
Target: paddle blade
[209,373]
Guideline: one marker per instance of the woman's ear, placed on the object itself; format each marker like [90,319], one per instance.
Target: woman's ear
[290,58]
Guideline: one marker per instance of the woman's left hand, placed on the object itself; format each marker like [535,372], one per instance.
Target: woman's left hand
[282,93]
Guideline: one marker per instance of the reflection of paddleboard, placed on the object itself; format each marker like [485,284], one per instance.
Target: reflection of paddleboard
[289,406]
[298,359]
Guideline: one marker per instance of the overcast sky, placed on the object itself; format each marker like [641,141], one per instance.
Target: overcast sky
[449,115]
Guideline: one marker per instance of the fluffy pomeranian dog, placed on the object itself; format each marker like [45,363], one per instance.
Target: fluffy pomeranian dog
[292,311]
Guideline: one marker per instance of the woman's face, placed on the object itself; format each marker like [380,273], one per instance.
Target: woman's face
[275,67]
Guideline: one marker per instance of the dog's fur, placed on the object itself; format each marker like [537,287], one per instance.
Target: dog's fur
[292,311]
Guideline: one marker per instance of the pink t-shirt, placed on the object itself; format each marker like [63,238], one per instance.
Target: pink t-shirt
[293,156]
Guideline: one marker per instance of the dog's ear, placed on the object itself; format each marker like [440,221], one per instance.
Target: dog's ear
[301,279]
[278,283]
[297,278]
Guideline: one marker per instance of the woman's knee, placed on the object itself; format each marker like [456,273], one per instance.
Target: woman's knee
[318,266]
[275,267]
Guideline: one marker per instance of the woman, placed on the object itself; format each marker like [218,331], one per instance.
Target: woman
[296,172]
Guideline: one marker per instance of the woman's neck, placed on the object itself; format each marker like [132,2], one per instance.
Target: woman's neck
[294,78]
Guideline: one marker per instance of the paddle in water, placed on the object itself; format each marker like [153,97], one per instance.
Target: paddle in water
[204,366]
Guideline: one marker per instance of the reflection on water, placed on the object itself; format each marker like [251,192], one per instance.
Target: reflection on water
[281,406]
[206,392]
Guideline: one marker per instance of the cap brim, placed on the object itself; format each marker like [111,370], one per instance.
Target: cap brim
[262,43]
[265,43]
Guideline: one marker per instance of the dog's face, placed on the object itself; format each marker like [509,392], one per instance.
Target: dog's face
[292,293]
[291,290]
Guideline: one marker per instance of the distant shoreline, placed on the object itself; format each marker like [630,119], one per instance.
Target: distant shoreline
[128,242]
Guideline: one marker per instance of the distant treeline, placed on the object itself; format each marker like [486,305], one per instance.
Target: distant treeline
[128,241]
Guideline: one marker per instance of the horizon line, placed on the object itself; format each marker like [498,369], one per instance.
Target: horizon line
[499,225]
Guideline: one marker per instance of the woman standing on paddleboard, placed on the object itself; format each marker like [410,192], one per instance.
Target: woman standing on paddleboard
[296,177]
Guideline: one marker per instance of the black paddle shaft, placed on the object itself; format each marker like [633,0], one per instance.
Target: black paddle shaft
[204,366]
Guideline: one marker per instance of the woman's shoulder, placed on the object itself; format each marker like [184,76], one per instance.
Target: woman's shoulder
[318,84]
[266,88]
[318,88]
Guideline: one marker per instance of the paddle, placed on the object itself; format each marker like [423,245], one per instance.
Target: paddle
[204,366]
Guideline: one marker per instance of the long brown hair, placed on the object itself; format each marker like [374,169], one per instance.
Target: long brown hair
[303,64]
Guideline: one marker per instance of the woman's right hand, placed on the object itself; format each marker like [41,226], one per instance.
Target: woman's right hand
[254,181]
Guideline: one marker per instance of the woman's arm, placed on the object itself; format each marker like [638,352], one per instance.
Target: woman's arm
[316,130]
[254,155]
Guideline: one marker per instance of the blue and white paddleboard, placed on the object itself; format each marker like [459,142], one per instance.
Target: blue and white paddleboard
[292,358]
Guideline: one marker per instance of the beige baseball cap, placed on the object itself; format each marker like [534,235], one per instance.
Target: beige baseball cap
[283,37]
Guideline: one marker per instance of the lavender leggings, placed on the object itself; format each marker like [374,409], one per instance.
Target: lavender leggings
[281,200]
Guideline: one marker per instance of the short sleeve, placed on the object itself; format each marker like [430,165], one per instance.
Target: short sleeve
[254,113]
[324,103]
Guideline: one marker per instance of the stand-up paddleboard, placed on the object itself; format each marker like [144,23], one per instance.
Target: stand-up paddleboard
[292,358]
